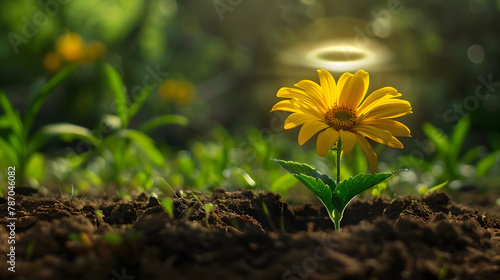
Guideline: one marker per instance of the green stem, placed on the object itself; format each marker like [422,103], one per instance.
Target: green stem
[339,150]
[337,216]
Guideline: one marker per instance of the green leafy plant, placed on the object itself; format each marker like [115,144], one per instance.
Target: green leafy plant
[334,196]
[19,147]
[449,155]
[124,149]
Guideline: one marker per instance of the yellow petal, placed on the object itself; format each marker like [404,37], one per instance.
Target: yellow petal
[328,86]
[354,90]
[394,127]
[325,141]
[348,141]
[376,96]
[391,108]
[297,119]
[285,105]
[304,96]
[311,87]
[379,135]
[369,152]
[309,129]
[307,109]
[344,79]
[297,106]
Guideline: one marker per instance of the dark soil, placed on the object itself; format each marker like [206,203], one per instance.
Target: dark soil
[430,237]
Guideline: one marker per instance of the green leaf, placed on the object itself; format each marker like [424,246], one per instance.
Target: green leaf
[116,84]
[8,153]
[44,93]
[138,102]
[35,167]
[438,187]
[12,116]
[301,168]
[168,205]
[349,188]
[313,180]
[185,162]
[457,139]
[485,164]
[66,131]
[437,137]
[163,120]
[145,143]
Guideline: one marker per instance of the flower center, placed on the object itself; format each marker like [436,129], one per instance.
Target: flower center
[340,117]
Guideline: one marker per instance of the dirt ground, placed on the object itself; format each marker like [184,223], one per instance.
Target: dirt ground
[250,235]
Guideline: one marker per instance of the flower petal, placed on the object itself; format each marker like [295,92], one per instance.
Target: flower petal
[325,141]
[379,135]
[376,96]
[369,152]
[394,127]
[354,90]
[297,106]
[343,80]
[348,140]
[297,119]
[391,108]
[328,86]
[311,87]
[309,129]
[285,105]
[304,96]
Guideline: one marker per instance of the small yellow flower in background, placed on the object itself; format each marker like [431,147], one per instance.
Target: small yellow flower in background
[181,92]
[72,48]
[338,112]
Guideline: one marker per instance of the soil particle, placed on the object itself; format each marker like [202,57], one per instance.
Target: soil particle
[250,235]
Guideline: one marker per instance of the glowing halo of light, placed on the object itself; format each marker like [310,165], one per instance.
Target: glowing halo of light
[337,56]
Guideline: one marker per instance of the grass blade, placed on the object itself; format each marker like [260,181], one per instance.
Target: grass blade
[118,89]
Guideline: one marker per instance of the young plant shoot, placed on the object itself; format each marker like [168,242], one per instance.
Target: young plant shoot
[338,112]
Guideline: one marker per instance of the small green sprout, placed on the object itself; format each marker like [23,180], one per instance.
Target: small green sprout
[168,205]
[208,207]
[113,238]
[424,190]
[268,216]
[99,215]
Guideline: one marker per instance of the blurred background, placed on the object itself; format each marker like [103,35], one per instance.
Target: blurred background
[220,64]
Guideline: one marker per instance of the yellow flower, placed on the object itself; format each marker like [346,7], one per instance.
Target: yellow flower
[182,92]
[336,110]
[73,49]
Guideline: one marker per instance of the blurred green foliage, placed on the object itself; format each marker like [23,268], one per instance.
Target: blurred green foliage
[222,74]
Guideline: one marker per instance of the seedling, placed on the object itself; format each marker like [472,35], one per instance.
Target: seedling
[268,216]
[99,215]
[168,205]
[208,207]
[337,111]
[113,238]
